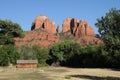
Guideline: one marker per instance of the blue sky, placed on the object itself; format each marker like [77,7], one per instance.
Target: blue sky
[25,11]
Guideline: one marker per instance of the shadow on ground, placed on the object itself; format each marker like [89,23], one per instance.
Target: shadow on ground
[115,69]
[95,77]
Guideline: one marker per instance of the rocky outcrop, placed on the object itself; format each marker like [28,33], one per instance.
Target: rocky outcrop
[42,33]
[44,23]
[88,40]
[81,30]
[78,28]
[38,37]
[38,22]
[66,25]
[49,26]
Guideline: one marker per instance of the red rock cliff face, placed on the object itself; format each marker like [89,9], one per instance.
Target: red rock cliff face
[40,38]
[43,30]
[78,28]
[66,24]
[42,33]
[81,30]
[44,23]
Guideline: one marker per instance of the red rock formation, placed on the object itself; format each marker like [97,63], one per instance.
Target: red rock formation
[37,38]
[77,28]
[58,29]
[88,40]
[81,30]
[44,23]
[38,22]
[66,25]
[43,29]
[49,26]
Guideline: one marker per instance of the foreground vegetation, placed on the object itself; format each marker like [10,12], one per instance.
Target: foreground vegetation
[67,53]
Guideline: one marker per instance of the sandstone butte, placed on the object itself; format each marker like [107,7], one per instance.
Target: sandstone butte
[44,33]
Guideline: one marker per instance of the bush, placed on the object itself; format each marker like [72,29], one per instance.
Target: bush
[72,54]
[41,54]
[34,52]
[26,53]
[87,56]
[8,54]
[61,52]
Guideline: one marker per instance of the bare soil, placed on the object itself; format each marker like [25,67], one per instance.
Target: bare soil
[59,73]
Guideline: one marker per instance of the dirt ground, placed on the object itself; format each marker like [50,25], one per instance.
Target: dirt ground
[59,73]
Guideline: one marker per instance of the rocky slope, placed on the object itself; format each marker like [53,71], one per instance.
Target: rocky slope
[44,33]
[37,37]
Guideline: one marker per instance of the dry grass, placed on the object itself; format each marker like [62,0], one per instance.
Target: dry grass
[58,73]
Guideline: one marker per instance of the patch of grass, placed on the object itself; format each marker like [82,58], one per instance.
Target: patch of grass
[23,76]
[58,70]
[33,76]
[43,65]
[67,77]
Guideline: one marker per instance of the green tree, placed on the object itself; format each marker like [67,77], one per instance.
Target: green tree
[41,54]
[61,52]
[91,56]
[34,52]
[26,53]
[9,30]
[109,32]
[8,54]
[109,29]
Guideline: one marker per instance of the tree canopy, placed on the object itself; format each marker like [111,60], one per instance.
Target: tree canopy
[109,28]
[9,30]
[8,54]
[109,32]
